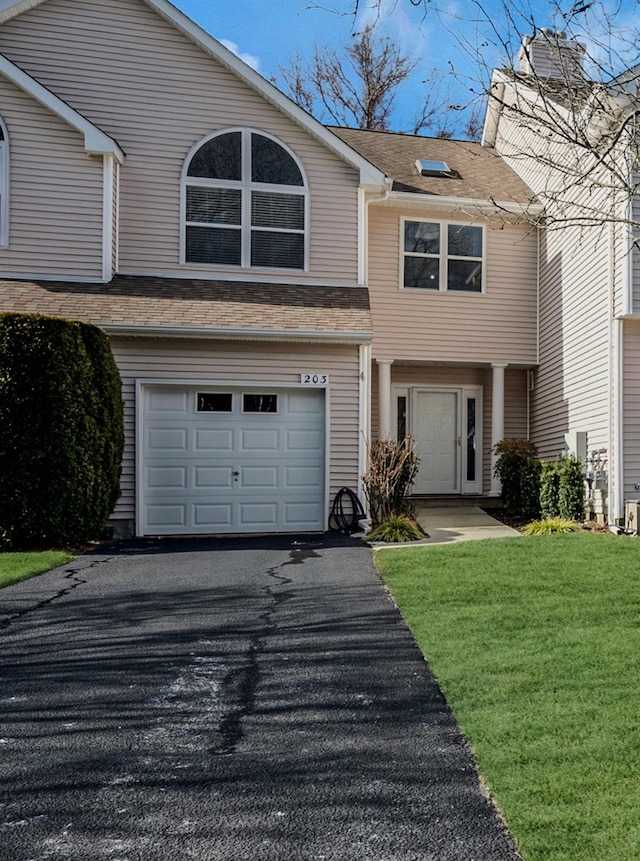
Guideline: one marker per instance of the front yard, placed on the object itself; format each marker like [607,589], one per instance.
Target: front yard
[20,566]
[536,645]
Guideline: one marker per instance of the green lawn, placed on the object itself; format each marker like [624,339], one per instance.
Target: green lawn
[536,645]
[19,566]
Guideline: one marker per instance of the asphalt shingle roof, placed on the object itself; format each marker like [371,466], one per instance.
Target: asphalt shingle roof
[174,302]
[478,172]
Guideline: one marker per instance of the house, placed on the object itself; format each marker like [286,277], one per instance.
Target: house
[274,290]
[566,137]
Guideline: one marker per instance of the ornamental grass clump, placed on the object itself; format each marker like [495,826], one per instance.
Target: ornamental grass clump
[396,530]
[550,525]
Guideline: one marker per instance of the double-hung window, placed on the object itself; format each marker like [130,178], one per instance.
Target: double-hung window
[442,256]
[245,203]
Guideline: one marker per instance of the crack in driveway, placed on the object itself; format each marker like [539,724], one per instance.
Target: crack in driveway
[245,680]
[74,582]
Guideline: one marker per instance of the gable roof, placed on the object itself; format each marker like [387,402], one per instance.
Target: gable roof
[368,173]
[96,142]
[477,173]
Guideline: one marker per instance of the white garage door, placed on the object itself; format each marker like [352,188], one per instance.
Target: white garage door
[233,460]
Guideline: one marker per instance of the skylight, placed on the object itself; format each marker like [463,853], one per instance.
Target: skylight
[426,167]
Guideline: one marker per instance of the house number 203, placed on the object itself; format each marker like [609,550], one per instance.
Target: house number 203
[314,379]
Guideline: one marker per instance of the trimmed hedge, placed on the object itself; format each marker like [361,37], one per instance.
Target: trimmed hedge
[518,469]
[61,431]
[562,489]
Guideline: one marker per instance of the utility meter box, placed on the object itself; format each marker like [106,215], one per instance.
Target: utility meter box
[575,443]
[632,516]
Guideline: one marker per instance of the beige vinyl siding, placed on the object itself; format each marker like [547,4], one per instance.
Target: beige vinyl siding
[212,362]
[572,382]
[496,326]
[55,194]
[515,382]
[145,84]
[631,409]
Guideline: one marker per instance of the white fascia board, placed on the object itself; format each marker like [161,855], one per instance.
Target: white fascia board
[96,142]
[10,8]
[369,174]
[461,204]
[495,99]
[219,333]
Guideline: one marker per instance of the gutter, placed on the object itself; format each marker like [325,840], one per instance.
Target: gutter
[142,330]
[477,205]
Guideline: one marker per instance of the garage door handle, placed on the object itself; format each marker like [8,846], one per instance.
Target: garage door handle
[236,472]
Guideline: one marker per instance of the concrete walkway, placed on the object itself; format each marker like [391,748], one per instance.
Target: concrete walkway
[460,523]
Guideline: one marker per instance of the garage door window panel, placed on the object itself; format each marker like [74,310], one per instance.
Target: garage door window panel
[214,402]
[259,403]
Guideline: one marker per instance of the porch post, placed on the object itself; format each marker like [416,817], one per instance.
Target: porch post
[384,397]
[497,422]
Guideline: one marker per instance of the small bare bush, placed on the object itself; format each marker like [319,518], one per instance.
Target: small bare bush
[393,466]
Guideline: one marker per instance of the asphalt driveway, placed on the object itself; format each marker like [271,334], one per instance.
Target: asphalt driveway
[255,699]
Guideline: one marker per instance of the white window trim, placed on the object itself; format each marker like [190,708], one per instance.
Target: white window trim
[443,257]
[246,187]
[4,187]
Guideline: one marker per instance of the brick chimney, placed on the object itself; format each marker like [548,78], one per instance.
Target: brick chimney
[549,54]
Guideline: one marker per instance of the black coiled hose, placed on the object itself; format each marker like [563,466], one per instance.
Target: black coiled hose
[346,512]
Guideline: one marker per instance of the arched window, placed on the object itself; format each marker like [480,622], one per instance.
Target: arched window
[245,203]
[4,185]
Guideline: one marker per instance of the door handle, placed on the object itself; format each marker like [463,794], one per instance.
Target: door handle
[458,440]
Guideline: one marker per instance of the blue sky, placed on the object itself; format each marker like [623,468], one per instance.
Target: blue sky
[268,33]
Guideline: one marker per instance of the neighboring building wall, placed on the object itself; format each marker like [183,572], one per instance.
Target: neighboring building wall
[211,362]
[497,326]
[148,86]
[515,418]
[572,383]
[576,295]
[56,194]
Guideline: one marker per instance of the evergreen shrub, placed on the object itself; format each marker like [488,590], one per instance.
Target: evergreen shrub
[562,489]
[61,431]
[549,489]
[518,469]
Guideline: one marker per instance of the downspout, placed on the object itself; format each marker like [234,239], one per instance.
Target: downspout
[531,373]
[365,349]
[365,413]
[616,511]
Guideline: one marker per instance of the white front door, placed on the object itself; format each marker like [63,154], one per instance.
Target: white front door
[437,435]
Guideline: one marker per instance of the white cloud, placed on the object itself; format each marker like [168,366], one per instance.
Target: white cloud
[406,24]
[249,59]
